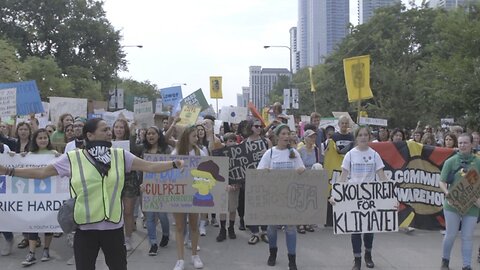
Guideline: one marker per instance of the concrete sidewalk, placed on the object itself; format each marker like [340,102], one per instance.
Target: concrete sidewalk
[419,250]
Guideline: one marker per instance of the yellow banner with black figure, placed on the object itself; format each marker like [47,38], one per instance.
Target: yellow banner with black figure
[357,77]
[216,87]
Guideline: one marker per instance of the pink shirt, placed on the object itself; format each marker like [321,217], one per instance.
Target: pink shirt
[62,165]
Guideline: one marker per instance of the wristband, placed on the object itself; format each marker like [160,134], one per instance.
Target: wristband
[174,164]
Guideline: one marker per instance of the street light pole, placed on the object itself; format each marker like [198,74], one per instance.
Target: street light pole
[291,66]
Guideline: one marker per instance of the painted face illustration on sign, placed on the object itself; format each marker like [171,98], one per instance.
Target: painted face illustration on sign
[205,177]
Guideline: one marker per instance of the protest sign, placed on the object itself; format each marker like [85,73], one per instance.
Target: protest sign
[196,98]
[158,106]
[284,197]
[189,115]
[216,87]
[124,144]
[415,168]
[27,97]
[74,106]
[31,205]
[197,188]
[357,77]
[217,126]
[171,96]
[373,121]
[233,114]
[244,156]
[465,192]
[8,102]
[364,207]
[143,114]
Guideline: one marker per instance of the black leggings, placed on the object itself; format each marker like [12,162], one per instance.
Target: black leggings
[241,202]
[87,244]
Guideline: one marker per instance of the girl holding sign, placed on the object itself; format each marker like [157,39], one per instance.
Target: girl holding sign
[453,171]
[282,157]
[362,163]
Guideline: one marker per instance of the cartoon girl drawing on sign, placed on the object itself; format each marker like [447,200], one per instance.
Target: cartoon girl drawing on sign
[205,177]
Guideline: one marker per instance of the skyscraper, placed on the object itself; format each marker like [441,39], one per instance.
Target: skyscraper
[322,24]
[295,53]
[447,4]
[262,81]
[366,8]
[244,97]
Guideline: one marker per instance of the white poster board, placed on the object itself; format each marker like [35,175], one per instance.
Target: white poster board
[143,114]
[8,102]
[31,205]
[364,207]
[233,114]
[74,106]
[373,121]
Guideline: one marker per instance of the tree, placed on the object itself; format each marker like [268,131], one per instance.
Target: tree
[10,65]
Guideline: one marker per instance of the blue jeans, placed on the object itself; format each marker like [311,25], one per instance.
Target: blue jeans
[452,221]
[357,243]
[152,225]
[290,236]
[8,236]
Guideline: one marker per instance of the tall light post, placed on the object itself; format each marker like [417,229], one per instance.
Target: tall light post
[291,67]
[115,93]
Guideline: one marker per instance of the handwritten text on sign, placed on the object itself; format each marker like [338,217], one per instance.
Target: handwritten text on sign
[31,205]
[465,192]
[244,156]
[8,102]
[283,197]
[197,188]
[364,207]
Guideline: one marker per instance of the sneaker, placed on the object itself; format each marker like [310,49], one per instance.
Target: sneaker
[29,260]
[201,229]
[153,250]
[71,261]
[214,222]
[197,263]
[189,245]
[45,255]
[164,241]
[7,248]
[128,244]
[180,265]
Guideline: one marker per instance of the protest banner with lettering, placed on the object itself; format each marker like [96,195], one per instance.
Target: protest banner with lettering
[465,192]
[27,97]
[196,98]
[189,115]
[243,156]
[197,188]
[233,114]
[74,106]
[143,114]
[284,197]
[31,205]
[171,96]
[8,102]
[416,170]
[364,207]
[373,121]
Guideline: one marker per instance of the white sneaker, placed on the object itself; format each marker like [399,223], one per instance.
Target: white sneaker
[189,245]
[180,265]
[71,261]
[128,244]
[197,263]
[7,248]
[201,229]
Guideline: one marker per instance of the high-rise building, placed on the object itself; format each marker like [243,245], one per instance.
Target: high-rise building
[322,24]
[262,81]
[295,53]
[447,4]
[366,8]
[244,97]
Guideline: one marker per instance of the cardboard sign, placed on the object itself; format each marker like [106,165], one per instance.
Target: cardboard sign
[197,188]
[143,114]
[244,156]
[31,205]
[74,106]
[8,102]
[27,97]
[465,192]
[189,115]
[364,207]
[233,114]
[196,98]
[284,197]
[373,121]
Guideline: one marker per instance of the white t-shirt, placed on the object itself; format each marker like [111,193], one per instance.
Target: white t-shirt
[70,146]
[6,149]
[362,165]
[280,160]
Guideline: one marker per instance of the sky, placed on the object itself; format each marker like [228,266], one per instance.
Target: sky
[187,41]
